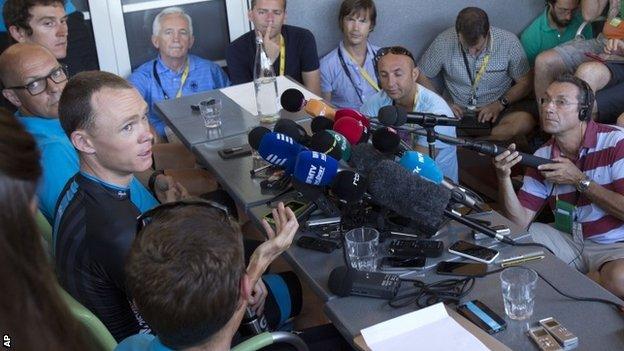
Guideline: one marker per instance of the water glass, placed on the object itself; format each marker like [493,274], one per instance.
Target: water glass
[211,112]
[518,286]
[362,244]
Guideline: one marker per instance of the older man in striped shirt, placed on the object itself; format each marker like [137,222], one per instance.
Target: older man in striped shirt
[584,185]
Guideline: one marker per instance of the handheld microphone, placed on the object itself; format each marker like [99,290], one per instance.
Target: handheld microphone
[292,129]
[345,147]
[280,150]
[317,198]
[398,116]
[321,123]
[352,129]
[315,168]
[255,136]
[394,187]
[388,141]
[326,143]
[349,186]
[344,281]
[347,112]
[494,150]
[292,100]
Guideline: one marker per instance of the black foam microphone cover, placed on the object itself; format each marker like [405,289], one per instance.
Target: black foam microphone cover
[341,281]
[386,140]
[392,115]
[321,123]
[325,143]
[409,195]
[365,157]
[255,136]
[349,186]
[292,129]
[292,100]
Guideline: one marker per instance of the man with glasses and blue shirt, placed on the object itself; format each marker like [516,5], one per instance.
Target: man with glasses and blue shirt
[398,77]
[33,81]
[347,72]
[175,72]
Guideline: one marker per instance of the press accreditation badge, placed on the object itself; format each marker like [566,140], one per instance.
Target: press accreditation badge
[564,216]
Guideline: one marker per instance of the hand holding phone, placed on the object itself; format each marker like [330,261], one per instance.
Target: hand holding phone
[474,252]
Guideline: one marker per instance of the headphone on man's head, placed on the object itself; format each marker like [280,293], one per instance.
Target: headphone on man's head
[585,108]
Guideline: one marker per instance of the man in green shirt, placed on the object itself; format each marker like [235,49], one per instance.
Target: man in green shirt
[556,25]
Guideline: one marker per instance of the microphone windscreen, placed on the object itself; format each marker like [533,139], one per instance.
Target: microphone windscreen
[345,147]
[349,186]
[315,168]
[347,112]
[316,107]
[341,281]
[364,157]
[325,143]
[292,129]
[280,150]
[350,128]
[255,136]
[394,187]
[423,165]
[292,100]
[320,123]
[386,140]
[392,115]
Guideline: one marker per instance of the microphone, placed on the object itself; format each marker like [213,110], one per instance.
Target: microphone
[325,143]
[425,167]
[280,150]
[321,123]
[364,157]
[345,147]
[394,187]
[292,129]
[315,168]
[255,136]
[494,150]
[345,281]
[352,129]
[292,100]
[388,141]
[398,116]
[347,112]
[316,196]
[349,186]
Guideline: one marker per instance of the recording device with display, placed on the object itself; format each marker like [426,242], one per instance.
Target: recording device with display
[543,340]
[344,281]
[411,248]
[474,252]
[559,332]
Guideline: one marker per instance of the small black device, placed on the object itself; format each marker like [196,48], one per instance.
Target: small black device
[499,229]
[344,281]
[559,332]
[317,244]
[544,341]
[482,316]
[253,324]
[412,248]
[391,263]
[234,152]
[473,251]
[464,269]
[295,206]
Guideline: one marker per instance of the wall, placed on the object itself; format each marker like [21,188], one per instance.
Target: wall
[410,23]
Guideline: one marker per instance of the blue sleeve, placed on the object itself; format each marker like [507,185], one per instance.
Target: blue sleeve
[141,81]
[141,197]
[59,163]
[326,76]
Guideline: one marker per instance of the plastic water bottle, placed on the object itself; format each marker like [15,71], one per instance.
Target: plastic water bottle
[265,85]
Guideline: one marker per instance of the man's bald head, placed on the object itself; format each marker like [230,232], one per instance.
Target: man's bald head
[17,58]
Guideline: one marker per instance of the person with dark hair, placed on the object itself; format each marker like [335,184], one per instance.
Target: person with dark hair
[347,73]
[486,74]
[556,25]
[398,76]
[291,49]
[186,273]
[95,220]
[34,316]
[583,185]
[33,81]
[175,72]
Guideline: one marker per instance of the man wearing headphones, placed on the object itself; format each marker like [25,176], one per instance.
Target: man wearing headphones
[583,185]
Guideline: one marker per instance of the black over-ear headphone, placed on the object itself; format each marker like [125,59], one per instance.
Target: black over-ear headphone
[585,108]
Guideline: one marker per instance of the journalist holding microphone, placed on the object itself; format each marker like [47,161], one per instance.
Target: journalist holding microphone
[583,185]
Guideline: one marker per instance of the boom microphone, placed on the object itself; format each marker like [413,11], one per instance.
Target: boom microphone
[398,116]
[292,100]
[364,157]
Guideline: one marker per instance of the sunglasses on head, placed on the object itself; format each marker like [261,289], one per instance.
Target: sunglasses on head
[395,50]
[146,218]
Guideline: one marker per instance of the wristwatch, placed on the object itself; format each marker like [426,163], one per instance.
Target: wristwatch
[504,101]
[583,184]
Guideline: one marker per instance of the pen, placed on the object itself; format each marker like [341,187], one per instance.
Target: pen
[521,261]
[520,257]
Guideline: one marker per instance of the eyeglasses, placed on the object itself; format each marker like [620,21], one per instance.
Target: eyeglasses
[558,102]
[395,50]
[564,11]
[146,218]
[39,85]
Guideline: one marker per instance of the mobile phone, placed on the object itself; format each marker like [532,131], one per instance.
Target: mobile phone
[474,252]
[464,269]
[482,316]
[317,244]
[295,206]
[233,152]
[391,263]
[595,57]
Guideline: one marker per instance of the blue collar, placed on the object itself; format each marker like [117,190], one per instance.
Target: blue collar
[161,67]
[370,53]
[115,190]
[42,125]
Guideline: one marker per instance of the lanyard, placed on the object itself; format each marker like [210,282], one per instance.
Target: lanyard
[475,82]
[282,67]
[361,69]
[182,81]
[348,73]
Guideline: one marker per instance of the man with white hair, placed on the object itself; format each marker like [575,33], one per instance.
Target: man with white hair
[174,72]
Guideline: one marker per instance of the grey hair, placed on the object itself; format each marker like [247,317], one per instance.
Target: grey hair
[170,11]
